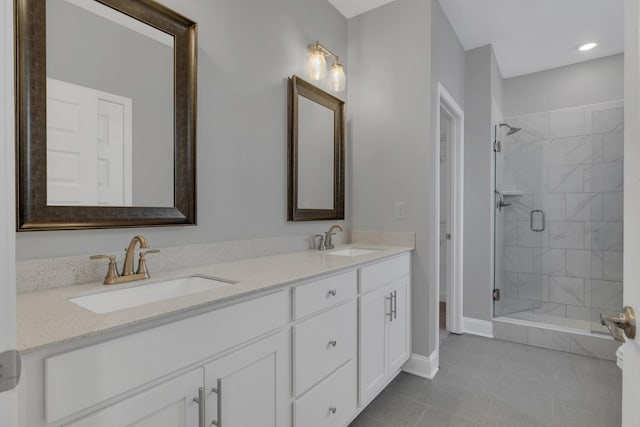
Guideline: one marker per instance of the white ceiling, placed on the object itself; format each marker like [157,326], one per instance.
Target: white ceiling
[527,35]
[351,8]
[534,35]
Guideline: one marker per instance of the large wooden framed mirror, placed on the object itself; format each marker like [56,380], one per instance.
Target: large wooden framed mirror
[106,114]
[316,153]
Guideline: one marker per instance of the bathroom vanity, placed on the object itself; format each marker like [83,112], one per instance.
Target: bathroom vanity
[302,339]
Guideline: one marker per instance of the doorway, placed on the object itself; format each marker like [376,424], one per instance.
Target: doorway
[446,122]
[449,200]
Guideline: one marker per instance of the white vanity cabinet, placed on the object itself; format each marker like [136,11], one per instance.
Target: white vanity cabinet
[298,356]
[170,404]
[384,340]
[325,351]
[61,387]
[246,387]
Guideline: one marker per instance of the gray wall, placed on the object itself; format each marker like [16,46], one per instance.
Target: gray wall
[246,51]
[447,57]
[120,61]
[482,88]
[448,69]
[389,126]
[590,82]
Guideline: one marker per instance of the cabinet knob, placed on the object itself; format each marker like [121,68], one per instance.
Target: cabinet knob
[332,293]
[333,409]
[333,343]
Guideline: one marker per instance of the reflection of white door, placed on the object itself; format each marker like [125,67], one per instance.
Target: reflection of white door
[631,286]
[114,150]
[88,146]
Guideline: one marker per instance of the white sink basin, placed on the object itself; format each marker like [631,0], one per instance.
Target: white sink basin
[107,302]
[353,252]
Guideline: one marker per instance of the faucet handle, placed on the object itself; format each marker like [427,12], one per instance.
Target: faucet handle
[142,262]
[321,245]
[112,271]
[111,258]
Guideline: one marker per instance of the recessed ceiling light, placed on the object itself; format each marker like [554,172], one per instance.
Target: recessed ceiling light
[588,46]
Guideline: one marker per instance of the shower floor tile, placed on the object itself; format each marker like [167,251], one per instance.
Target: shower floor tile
[493,383]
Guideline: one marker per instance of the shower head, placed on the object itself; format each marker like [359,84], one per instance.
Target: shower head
[511,130]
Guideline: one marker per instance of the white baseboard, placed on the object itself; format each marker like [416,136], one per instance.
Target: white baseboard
[425,367]
[483,328]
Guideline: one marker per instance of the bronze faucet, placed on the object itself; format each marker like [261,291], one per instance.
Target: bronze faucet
[128,275]
[328,236]
[127,269]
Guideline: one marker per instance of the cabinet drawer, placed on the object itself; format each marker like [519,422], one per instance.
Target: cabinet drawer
[331,403]
[323,343]
[376,275]
[319,294]
[122,364]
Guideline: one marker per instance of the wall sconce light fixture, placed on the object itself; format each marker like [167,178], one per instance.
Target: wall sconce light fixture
[317,67]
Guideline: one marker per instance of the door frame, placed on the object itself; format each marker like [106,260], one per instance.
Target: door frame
[630,357]
[447,103]
[8,400]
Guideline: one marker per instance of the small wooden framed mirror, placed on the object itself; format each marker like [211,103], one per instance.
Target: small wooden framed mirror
[316,153]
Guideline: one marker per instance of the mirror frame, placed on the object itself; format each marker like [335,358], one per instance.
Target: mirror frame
[33,213]
[299,87]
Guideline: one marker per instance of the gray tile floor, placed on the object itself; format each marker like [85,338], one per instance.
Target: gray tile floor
[484,382]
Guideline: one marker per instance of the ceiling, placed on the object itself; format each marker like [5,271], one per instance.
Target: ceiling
[351,8]
[527,35]
[535,35]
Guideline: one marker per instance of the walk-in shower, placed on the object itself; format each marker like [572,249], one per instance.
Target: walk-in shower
[558,216]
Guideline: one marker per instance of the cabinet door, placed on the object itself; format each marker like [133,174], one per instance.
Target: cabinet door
[374,312]
[169,404]
[246,388]
[398,329]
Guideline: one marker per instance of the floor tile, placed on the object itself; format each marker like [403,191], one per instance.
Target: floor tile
[393,409]
[493,383]
[436,417]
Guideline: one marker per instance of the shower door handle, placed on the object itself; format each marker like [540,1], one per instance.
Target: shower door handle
[620,323]
[531,215]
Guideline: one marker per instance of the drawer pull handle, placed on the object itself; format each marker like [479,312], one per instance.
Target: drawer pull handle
[218,391]
[333,409]
[394,310]
[333,343]
[200,401]
[390,313]
[332,293]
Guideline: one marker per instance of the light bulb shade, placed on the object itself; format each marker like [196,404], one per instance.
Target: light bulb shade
[337,78]
[317,65]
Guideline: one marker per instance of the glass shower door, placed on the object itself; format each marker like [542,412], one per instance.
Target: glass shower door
[558,237]
[520,223]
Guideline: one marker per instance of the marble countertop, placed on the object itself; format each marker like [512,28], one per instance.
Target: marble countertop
[47,317]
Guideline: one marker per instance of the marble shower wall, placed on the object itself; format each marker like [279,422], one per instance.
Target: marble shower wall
[567,163]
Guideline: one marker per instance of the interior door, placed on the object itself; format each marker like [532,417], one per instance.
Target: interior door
[72,151]
[114,150]
[631,284]
[8,399]
[89,146]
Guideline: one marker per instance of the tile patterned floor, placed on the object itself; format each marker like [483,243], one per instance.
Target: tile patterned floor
[492,383]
